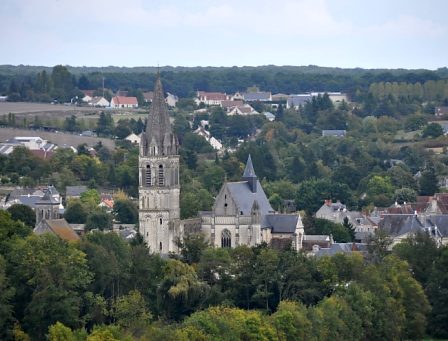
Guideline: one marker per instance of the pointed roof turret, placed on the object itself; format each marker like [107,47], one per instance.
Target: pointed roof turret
[250,176]
[158,131]
[249,170]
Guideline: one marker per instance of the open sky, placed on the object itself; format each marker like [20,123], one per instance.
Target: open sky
[342,33]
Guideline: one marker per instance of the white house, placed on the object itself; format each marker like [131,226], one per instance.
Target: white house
[99,102]
[210,98]
[171,100]
[242,110]
[133,138]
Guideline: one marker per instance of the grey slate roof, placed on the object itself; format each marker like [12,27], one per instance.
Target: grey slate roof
[441,221]
[249,171]
[280,223]
[399,224]
[29,200]
[75,191]
[257,96]
[341,248]
[334,132]
[297,100]
[244,198]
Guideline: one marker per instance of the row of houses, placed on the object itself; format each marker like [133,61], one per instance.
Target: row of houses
[122,101]
[292,101]
[429,214]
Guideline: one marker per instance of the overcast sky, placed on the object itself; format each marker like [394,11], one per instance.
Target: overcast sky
[342,33]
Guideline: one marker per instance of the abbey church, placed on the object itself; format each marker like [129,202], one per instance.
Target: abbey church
[241,214]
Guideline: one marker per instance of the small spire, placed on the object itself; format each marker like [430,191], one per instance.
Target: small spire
[249,171]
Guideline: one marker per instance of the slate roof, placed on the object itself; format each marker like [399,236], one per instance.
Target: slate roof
[441,221]
[257,96]
[244,198]
[29,200]
[75,191]
[399,224]
[297,100]
[341,248]
[333,132]
[59,227]
[280,223]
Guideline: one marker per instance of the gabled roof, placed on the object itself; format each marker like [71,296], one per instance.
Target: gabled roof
[230,104]
[212,96]
[257,96]
[75,191]
[244,198]
[122,100]
[400,224]
[59,227]
[280,223]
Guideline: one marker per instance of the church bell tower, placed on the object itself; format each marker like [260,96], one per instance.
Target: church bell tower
[159,188]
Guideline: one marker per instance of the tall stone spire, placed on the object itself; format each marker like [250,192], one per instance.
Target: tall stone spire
[250,176]
[158,138]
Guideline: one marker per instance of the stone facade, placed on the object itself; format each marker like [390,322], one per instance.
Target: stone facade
[159,188]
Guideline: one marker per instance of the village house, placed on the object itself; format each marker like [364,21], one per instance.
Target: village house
[88,95]
[100,102]
[441,111]
[258,96]
[242,110]
[124,102]
[133,138]
[210,98]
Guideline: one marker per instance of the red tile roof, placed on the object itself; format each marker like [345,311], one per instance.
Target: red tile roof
[119,100]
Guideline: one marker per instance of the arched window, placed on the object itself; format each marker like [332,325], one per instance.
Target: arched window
[226,238]
[160,246]
[161,179]
[148,175]
[160,221]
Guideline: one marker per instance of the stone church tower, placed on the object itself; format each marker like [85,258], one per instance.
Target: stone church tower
[159,189]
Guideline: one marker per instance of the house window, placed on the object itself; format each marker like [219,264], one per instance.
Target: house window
[226,238]
[161,180]
[148,175]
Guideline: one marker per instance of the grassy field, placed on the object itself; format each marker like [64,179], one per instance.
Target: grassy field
[57,138]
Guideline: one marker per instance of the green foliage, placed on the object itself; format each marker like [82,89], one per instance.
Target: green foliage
[191,247]
[313,192]
[432,130]
[126,212]
[23,213]
[131,314]
[50,277]
[59,332]
[100,220]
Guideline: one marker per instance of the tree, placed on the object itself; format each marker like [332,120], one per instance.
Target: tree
[99,220]
[23,213]
[75,213]
[428,181]
[105,125]
[191,247]
[70,124]
[91,198]
[432,130]
[50,277]
[131,314]
[420,251]
[59,332]
[350,228]
[125,211]
[265,279]
[180,290]
[291,321]
[437,290]
[6,307]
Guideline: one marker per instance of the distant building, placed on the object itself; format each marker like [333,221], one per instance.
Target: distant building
[242,110]
[296,101]
[210,98]
[99,102]
[171,100]
[334,133]
[124,102]
[440,111]
[133,138]
[58,227]
[259,96]
[88,95]
[74,192]
[269,116]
